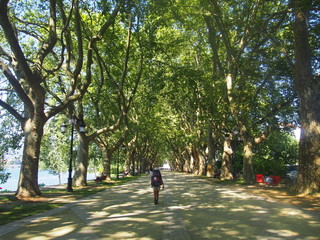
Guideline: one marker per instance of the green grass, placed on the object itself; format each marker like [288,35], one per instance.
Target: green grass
[231,182]
[12,209]
[22,211]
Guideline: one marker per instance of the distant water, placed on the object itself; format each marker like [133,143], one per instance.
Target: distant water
[44,177]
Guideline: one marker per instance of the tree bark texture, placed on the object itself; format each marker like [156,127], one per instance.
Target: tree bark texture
[192,161]
[308,89]
[196,161]
[106,163]
[187,162]
[80,175]
[202,163]
[28,180]
[248,173]
[133,162]
[226,167]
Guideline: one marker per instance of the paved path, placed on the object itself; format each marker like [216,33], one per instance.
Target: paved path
[190,208]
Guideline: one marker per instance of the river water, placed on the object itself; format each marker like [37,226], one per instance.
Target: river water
[44,177]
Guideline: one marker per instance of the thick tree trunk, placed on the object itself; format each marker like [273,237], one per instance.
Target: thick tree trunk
[128,162]
[308,89]
[202,163]
[187,164]
[179,161]
[226,171]
[181,164]
[196,161]
[248,173]
[106,163]
[191,165]
[80,175]
[28,181]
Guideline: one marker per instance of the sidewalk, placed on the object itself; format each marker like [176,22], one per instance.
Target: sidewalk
[120,212]
[190,208]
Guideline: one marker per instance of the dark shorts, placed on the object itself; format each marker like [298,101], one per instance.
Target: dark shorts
[156,188]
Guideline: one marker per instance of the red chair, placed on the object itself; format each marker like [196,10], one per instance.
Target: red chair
[259,178]
[262,179]
[276,180]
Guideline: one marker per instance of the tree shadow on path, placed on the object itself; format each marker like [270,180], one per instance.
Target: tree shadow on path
[190,208]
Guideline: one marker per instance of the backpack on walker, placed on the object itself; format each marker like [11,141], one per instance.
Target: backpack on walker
[156,179]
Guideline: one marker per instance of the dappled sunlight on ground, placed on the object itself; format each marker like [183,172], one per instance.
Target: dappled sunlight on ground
[122,235]
[180,207]
[60,225]
[221,212]
[283,233]
[60,231]
[293,212]
[190,208]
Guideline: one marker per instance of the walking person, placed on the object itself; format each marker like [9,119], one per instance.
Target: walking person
[156,183]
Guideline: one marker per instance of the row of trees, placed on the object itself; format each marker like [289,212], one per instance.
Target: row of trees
[181,81]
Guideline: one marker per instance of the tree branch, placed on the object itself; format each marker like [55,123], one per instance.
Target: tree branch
[17,87]
[48,45]
[92,43]
[55,110]
[276,109]
[13,112]
[32,79]
[79,63]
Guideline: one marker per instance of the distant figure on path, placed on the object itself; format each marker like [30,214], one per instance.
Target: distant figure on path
[156,183]
[149,172]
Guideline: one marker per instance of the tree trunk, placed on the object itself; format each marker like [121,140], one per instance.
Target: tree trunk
[202,163]
[133,165]
[28,180]
[211,154]
[181,164]
[308,88]
[128,162]
[196,161]
[187,166]
[80,175]
[226,171]
[248,173]
[191,165]
[106,163]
